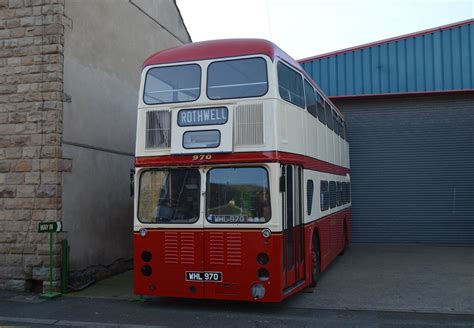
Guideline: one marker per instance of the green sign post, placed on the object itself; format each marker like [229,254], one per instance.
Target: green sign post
[50,227]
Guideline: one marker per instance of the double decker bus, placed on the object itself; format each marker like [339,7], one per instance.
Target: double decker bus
[242,185]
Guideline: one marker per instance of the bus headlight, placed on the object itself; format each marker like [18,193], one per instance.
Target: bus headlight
[143,232]
[258,291]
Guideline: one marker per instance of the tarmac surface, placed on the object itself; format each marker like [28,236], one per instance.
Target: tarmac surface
[383,286]
[166,312]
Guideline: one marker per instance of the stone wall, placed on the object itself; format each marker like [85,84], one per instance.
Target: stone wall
[69,79]
[31,164]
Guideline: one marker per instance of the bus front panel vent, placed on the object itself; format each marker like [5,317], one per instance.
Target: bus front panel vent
[158,129]
[248,125]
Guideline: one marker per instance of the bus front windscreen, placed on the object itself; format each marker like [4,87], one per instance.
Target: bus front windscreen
[172,84]
[238,195]
[169,196]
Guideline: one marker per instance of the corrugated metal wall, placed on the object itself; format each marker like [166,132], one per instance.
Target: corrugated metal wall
[440,60]
[412,162]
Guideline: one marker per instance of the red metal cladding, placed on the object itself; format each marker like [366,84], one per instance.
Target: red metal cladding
[249,157]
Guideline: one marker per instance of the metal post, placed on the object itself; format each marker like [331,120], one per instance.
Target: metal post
[50,294]
[64,265]
[50,262]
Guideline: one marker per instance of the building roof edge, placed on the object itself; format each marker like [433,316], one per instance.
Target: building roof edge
[396,38]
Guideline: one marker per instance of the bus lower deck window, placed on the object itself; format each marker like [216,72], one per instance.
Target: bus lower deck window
[238,195]
[332,194]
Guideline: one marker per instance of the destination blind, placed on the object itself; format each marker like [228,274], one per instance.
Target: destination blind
[203,116]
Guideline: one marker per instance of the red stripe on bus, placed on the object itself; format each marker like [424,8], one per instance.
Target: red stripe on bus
[249,157]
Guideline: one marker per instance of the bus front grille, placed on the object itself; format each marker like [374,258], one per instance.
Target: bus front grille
[225,248]
[179,248]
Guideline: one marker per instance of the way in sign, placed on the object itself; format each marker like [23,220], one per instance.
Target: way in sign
[50,226]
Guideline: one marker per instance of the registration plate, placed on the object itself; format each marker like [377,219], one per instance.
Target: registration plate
[203,276]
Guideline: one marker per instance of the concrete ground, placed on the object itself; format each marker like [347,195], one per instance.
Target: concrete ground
[373,278]
[396,278]
[118,287]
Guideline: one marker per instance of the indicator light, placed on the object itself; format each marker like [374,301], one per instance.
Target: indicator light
[266,233]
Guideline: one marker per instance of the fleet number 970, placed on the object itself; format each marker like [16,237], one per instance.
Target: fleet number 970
[202,157]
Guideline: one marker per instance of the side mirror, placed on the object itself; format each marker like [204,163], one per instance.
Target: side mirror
[132,182]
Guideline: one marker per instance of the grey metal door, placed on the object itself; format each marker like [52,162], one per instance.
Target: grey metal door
[412,163]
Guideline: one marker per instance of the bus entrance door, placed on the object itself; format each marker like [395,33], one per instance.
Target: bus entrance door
[293,240]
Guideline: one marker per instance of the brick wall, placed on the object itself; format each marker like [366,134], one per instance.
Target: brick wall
[31,104]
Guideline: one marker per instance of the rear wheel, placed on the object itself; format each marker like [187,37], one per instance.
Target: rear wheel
[316,261]
[344,240]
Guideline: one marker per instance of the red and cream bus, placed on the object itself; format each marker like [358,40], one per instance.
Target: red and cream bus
[242,174]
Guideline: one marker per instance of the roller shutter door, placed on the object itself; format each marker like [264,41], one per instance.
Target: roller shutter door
[412,162]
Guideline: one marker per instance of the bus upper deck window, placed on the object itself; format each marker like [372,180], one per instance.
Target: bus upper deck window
[311,100]
[237,78]
[290,85]
[172,84]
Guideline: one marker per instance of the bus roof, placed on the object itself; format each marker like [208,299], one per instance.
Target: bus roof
[219,49]
[214,49]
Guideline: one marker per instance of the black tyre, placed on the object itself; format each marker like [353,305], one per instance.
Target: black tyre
[316,261]
[344,240]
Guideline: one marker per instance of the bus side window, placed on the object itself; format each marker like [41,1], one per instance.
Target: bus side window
[309,195]
[339,194]
[335,122]
[332,194]
[290,85]
[344,130]
[329,118]
[341,127]
[324,195]
[320,107]
[310,99]
[349,192]
[344,193]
